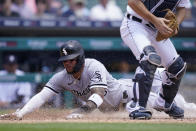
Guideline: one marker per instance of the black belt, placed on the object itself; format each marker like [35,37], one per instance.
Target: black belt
[134,18]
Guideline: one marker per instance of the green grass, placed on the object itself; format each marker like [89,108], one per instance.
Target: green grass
[97,127]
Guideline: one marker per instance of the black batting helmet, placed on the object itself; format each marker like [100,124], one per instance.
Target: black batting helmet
[70,50]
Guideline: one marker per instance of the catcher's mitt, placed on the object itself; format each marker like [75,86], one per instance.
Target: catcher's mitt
[173,24]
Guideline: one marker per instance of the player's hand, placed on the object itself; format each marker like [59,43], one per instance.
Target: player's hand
[176,31]
[74,116]
[11,116]
[161,26]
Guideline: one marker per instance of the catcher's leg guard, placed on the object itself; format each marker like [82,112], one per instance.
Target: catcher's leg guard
[175,73]
[171,82]
[148,63]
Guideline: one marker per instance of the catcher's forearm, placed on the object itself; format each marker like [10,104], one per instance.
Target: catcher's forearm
[180,14]
[141,10]
[35,102]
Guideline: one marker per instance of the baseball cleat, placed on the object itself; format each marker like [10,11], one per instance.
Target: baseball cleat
[141,114]
[175,112]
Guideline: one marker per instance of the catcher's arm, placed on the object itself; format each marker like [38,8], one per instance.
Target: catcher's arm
[180,15]
[175,20]
[94,101]
[158,22]
[34,103]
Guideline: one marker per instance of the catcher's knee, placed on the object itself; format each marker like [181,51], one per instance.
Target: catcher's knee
[177,69]
[149,54]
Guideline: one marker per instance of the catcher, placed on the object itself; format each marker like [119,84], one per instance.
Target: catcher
[89,80]
[146,29]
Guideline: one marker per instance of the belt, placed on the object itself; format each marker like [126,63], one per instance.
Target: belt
[134,18]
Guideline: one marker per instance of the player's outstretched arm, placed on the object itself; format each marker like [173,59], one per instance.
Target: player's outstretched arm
[34,103]
[94,101]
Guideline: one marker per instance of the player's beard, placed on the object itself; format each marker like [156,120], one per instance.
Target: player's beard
[70,69]
[70,72]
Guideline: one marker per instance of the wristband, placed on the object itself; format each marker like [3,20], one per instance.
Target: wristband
[96,99]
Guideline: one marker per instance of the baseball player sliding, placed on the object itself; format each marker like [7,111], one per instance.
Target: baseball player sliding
[89,80]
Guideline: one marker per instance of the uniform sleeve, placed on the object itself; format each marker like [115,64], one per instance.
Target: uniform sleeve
[185,3]
[98,75]
[54,83]
[36,101]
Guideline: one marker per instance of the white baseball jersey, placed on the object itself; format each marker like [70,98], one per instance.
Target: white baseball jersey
[94,75]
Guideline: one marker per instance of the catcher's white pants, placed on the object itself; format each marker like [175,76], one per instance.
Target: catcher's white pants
[137,36]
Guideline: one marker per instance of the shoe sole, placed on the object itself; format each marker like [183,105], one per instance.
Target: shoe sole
[141,118]
[178,117]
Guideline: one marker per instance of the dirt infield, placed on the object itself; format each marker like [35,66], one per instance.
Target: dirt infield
[55,116]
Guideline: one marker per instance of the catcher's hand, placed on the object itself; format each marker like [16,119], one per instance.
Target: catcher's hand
[173,24]
[74,116]
[11,116]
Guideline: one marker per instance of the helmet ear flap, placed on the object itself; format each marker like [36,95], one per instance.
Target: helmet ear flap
[80,61]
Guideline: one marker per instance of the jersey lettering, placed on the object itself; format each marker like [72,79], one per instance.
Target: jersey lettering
[84,92]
